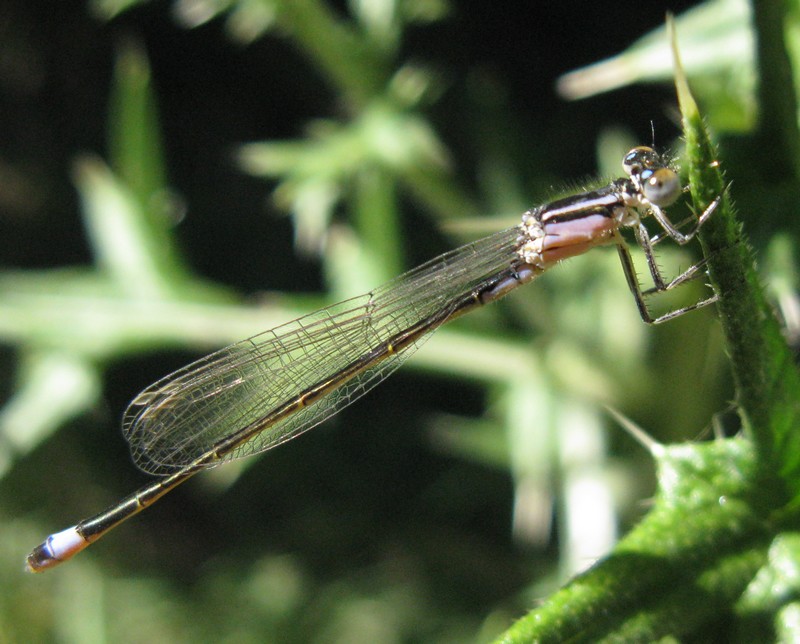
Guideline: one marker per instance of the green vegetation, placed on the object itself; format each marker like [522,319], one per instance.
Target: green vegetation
[423,513]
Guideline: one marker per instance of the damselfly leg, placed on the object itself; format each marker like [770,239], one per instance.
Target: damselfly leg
[660,284]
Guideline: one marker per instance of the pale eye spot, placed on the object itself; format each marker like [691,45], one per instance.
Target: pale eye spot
[662,188]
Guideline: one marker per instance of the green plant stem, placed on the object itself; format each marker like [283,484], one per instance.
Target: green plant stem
[350,62]
[778,128]
[688,560]
[767,380]
[378,220]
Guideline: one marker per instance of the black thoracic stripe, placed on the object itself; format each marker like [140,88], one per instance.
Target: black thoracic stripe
[600,202]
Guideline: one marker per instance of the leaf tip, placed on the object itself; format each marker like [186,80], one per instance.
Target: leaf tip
[688,106]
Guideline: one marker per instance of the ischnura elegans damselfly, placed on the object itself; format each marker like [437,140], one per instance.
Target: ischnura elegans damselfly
[264,391]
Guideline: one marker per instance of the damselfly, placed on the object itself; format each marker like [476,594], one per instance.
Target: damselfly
[256,394]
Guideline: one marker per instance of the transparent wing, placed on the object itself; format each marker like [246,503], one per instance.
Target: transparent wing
[184,415]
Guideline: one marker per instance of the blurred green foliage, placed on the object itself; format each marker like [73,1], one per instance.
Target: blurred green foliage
[394,130]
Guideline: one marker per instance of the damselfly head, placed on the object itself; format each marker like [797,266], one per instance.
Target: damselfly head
[658,183]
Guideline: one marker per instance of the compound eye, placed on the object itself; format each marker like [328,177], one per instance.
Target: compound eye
[640,158]
[662,188]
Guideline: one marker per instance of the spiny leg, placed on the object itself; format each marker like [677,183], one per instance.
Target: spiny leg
[660,284]
[673,231]
[639,295]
